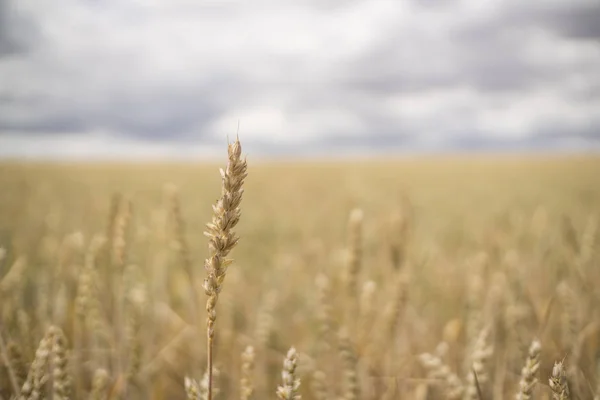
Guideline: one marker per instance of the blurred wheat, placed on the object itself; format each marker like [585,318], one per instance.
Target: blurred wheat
[429,278]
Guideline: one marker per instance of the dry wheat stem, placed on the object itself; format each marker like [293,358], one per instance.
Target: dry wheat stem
[324,314]
[399,232]
[355,250]
[597,396]
[12,375]
[353,265]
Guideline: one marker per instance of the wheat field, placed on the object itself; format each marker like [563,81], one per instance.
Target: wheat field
[431,277]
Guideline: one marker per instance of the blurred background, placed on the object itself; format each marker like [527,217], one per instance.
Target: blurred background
[459,273]
[157,79]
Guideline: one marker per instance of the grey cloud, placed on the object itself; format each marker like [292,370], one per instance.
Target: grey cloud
[574,20]
[489,61]
[589,131]
[330,5]
[577,19]
[156,112]
[162,118]
[8,42]
[390,138]
[546,140]
[135,88]
[17,33]
[457,62]
[435,3]
[478,53]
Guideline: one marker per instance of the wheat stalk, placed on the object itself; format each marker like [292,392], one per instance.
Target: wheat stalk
[183,248]
[324,314]
[226,214]
[355,250]
[597,396]
[367,310]
[399,234]
[11,365]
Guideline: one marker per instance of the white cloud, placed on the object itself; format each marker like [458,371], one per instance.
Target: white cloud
[94,146]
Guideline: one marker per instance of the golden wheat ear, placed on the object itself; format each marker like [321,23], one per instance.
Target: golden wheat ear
[558,382]
[192,389]
[528,374]
[247,381]
[350,385]
[61,380]
[100,382]
[320,385]
[478,376]
[437,370]
[37,378]
[289,389]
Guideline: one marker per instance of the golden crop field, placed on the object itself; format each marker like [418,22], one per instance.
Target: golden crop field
[431,277]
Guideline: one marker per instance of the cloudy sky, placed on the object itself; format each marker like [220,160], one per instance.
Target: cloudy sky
[172,78]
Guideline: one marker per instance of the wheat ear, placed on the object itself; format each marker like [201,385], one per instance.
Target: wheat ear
[199,390]
[38,375]
[291,384]
[192,389]
[61,381]
[558,383]
[437,370]
[351,388]
[247,383]
[528,379]
[320,385]
[99,384]
[478,376]
[17,362]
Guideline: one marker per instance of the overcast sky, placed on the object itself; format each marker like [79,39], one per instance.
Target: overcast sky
[119,78]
